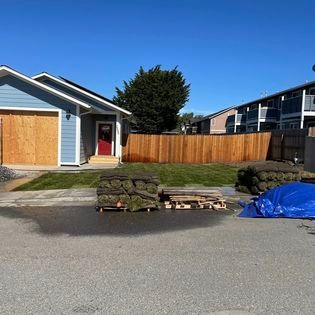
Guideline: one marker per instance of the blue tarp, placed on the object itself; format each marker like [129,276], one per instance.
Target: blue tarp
[294,200]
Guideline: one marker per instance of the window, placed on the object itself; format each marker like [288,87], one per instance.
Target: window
[270,103]
[312,91]
[253,106]
[295,93]
[242,110]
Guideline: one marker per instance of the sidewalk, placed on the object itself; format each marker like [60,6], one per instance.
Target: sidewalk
[56,197]
[75,169]
[86,197]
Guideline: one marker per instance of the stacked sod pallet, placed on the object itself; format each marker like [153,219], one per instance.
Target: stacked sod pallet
[261,177]
[128,191]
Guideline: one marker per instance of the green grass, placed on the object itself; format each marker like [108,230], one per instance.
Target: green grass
[208,175]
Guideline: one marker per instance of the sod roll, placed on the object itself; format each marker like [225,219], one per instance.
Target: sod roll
[129,191]
[260,177]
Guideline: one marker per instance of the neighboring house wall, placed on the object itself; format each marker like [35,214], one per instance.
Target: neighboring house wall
[218,123]
[16,93]
[286,110]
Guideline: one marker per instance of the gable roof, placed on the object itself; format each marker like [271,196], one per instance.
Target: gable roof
[213,115]
[5,70]
[76,87]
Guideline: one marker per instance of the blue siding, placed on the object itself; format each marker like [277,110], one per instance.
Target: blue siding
[16,93]
[77,95]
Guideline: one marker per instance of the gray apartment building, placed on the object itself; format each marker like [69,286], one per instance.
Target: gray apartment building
[289,109]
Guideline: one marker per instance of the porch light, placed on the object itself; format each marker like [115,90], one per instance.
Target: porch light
[68,114]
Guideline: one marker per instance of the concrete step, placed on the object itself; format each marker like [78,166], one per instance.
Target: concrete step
[103,162]
[103,159]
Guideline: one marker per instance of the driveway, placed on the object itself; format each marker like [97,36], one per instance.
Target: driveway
[74,260]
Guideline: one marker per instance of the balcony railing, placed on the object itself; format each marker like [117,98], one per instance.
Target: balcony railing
[294,104]
[291,105]
[309,103]
[269,113]
[230,120]
[241,118]
[252,114]
[265,113]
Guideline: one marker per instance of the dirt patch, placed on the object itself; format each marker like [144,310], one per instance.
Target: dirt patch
[21,178]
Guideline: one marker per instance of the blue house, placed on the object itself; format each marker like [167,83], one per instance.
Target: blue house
[48,120]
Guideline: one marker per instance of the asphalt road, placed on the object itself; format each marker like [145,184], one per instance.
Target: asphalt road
[75,261]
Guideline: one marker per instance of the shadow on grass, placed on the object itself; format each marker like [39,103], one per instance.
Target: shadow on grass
[84,221]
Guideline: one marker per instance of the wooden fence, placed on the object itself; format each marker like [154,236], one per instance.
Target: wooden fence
[285,144]
[196,148]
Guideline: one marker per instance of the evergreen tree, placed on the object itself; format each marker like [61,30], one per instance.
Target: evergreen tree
[155,98]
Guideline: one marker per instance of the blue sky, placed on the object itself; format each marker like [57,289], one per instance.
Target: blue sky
[229,51]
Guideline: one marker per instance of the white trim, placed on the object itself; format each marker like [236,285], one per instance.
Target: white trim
[302,109]
[259,115]
[78,136]
[97,123]
[30,109]
[309,113]
[45,74]
[59,135]
[42,86]
[282,99]
[235,120]
[118,136]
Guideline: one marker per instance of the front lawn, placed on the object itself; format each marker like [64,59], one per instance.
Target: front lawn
[207,175]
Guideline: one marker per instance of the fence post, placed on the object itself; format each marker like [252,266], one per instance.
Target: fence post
[282,146]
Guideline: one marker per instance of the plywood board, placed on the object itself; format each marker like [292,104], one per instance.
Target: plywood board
[29,138]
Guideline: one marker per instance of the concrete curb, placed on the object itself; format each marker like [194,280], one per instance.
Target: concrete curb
[56,197]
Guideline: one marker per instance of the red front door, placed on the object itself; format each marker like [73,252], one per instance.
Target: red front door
[105,139]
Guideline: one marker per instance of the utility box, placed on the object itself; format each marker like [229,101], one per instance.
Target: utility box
[309,155]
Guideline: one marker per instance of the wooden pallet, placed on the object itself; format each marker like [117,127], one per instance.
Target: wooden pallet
[195,202]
